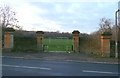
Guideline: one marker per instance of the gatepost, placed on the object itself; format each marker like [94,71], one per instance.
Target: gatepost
[105,44]
[40,37]
[8,39]
[76,41]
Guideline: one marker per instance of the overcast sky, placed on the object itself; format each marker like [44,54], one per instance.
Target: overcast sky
[62,15]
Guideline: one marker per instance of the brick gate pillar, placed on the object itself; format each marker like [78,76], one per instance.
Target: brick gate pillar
[8,38]
[76,41]
[40,37]
[105,44]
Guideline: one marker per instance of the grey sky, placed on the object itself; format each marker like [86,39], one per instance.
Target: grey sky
[64,16]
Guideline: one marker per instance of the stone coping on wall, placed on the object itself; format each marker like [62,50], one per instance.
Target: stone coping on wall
[39,32]
[106,34]
[75,32]
[9,30]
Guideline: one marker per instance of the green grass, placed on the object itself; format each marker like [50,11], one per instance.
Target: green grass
[58,44]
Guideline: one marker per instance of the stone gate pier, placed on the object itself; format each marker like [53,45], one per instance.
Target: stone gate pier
[40,37]
[105,44]
[8,39]
[76,41]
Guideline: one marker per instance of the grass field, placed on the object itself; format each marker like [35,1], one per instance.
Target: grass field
[58,44]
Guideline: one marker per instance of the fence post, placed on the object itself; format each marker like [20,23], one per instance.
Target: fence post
[76,41]
[8,39]
[105,44]
[40,37]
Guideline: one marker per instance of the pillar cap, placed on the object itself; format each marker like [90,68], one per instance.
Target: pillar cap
[39,32]
[9,30]
[106,34]
[75,32]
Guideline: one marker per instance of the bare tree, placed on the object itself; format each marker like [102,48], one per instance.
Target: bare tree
[105,25]
[7,18]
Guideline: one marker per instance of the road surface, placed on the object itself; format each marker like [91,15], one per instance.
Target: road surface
[35,67]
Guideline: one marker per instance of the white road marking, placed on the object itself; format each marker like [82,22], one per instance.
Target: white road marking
[43,68]
[102,72]
[13,57]
[92,62]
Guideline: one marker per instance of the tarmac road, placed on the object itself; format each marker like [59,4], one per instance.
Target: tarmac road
[37,67]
